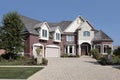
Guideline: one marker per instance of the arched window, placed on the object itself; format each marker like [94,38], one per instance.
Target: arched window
[86,33]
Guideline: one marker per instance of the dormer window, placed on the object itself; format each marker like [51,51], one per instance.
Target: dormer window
[44,33]
[58,36]
[86,33]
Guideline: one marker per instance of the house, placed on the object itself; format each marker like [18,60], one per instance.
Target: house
[75,37]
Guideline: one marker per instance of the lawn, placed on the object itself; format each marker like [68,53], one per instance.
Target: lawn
[17,72]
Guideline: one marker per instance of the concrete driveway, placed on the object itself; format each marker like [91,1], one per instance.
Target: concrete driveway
[83,68]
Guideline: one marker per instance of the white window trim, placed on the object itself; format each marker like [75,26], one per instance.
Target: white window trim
[41,35]
[55,38]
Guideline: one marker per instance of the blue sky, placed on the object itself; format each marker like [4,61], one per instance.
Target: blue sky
[103,14]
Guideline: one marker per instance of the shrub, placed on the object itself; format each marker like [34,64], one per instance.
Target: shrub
[115,60]
[116,52]
[66,55]
[96,54]
[44,61]
[103,61]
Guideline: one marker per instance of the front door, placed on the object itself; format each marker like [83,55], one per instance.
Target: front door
[84,50]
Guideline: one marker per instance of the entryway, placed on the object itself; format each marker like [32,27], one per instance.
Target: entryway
[85,48]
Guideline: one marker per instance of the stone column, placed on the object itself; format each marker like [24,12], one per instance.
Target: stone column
[79,50]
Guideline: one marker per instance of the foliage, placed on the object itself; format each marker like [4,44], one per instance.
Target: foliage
[17,72]
[22,60]
[11,33]
[96,54]
[38,50]
[114,60]
[44,61]
[117,51]
[66,55]
[109,50]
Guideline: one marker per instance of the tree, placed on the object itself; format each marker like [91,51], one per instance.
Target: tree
[12,33]
[39,55]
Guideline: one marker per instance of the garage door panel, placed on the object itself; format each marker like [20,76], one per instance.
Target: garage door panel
[52,52]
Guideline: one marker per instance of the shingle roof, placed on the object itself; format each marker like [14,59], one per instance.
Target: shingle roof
[64,24]
[29,24]
[101,36]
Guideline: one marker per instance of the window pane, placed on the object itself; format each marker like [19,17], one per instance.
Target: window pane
[105,48]
[57,36]
[70,38]
[44,33]
[86,33]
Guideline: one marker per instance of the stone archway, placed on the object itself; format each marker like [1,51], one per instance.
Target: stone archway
[85,48]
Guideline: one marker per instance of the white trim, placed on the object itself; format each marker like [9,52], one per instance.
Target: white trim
[52,46]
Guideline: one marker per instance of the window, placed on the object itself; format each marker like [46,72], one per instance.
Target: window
[44,33]
[86,33]
[70,38]
[57,36]
[98,47]
[106,48]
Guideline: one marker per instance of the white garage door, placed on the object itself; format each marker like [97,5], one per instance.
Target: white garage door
[52,51]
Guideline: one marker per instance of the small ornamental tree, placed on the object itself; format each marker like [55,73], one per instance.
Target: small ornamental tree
[12,33]
[39,55]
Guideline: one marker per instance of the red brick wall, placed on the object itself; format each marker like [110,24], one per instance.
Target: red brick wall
[29,44]
[32,39]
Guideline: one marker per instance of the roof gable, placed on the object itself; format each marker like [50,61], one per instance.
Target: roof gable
[86,25]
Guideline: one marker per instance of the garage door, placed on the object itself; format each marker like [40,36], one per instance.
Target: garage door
[52,51]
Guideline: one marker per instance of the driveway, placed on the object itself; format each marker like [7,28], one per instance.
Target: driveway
[83,68]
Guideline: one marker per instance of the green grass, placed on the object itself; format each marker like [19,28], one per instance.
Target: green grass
[17,72]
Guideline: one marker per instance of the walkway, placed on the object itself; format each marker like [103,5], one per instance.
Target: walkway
[83,68]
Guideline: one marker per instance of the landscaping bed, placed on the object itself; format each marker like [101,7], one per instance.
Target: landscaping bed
[22,60]
[17,72]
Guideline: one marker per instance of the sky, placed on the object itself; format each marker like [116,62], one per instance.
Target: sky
[103,14]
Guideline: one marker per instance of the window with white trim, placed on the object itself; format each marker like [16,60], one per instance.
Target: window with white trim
[58,36]
[44,33]
[86,33]
[70,38]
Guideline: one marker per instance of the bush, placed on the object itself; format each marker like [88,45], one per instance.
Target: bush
[116,52]
[66,55]
[96,54]
[103,61]
[115,60]
[44,61]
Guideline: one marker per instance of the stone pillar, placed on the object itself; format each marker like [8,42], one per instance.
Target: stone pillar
[79,50]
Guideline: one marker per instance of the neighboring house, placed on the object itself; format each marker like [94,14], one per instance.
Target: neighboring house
[76,37]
